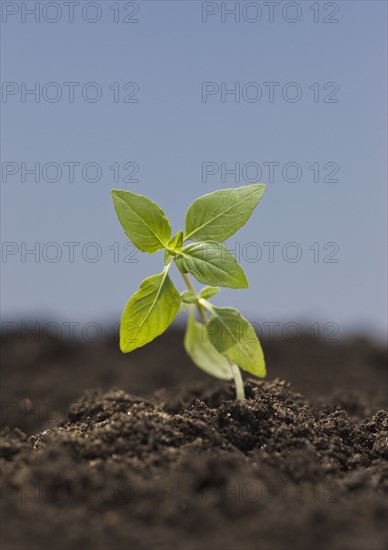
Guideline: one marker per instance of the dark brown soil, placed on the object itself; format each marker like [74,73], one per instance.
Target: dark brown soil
[187,467]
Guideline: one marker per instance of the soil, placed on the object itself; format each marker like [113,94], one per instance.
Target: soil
[161,457]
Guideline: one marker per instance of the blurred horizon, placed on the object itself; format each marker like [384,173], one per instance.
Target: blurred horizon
[52,331]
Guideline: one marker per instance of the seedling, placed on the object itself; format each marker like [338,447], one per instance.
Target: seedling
[221,341]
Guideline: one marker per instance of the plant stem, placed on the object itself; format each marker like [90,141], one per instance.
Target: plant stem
[190,287]
[240,393]
[238,381]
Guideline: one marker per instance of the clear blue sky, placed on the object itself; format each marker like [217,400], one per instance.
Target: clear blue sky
[338,129]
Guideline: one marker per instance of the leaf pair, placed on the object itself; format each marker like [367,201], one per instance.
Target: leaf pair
[233,336]
[213,217]
[210,220]
[226,339]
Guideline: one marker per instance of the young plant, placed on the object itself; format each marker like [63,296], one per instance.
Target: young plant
[222,341]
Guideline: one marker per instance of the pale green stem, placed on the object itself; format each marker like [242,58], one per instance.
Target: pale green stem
[238,381]
[190,287]
[240,393]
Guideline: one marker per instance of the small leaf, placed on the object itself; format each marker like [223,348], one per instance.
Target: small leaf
[144,223]
[220,214]
[211,263]
[176,242]
[189,297]
[233,336]
[202,351]
[209,292]
[149,312]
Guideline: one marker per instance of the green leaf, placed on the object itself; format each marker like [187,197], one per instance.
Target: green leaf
[233,336]
[209,292]
[167,257]
[211,263]
[202,351]
[144,223]
[220,214]
[176,242]
[189,297]
[149,312]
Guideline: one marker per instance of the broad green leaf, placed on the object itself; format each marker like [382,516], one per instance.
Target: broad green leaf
[233,336]
[211,263]
[149,312]
[144,223]
[202,351]
[209,292]
[218,215]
